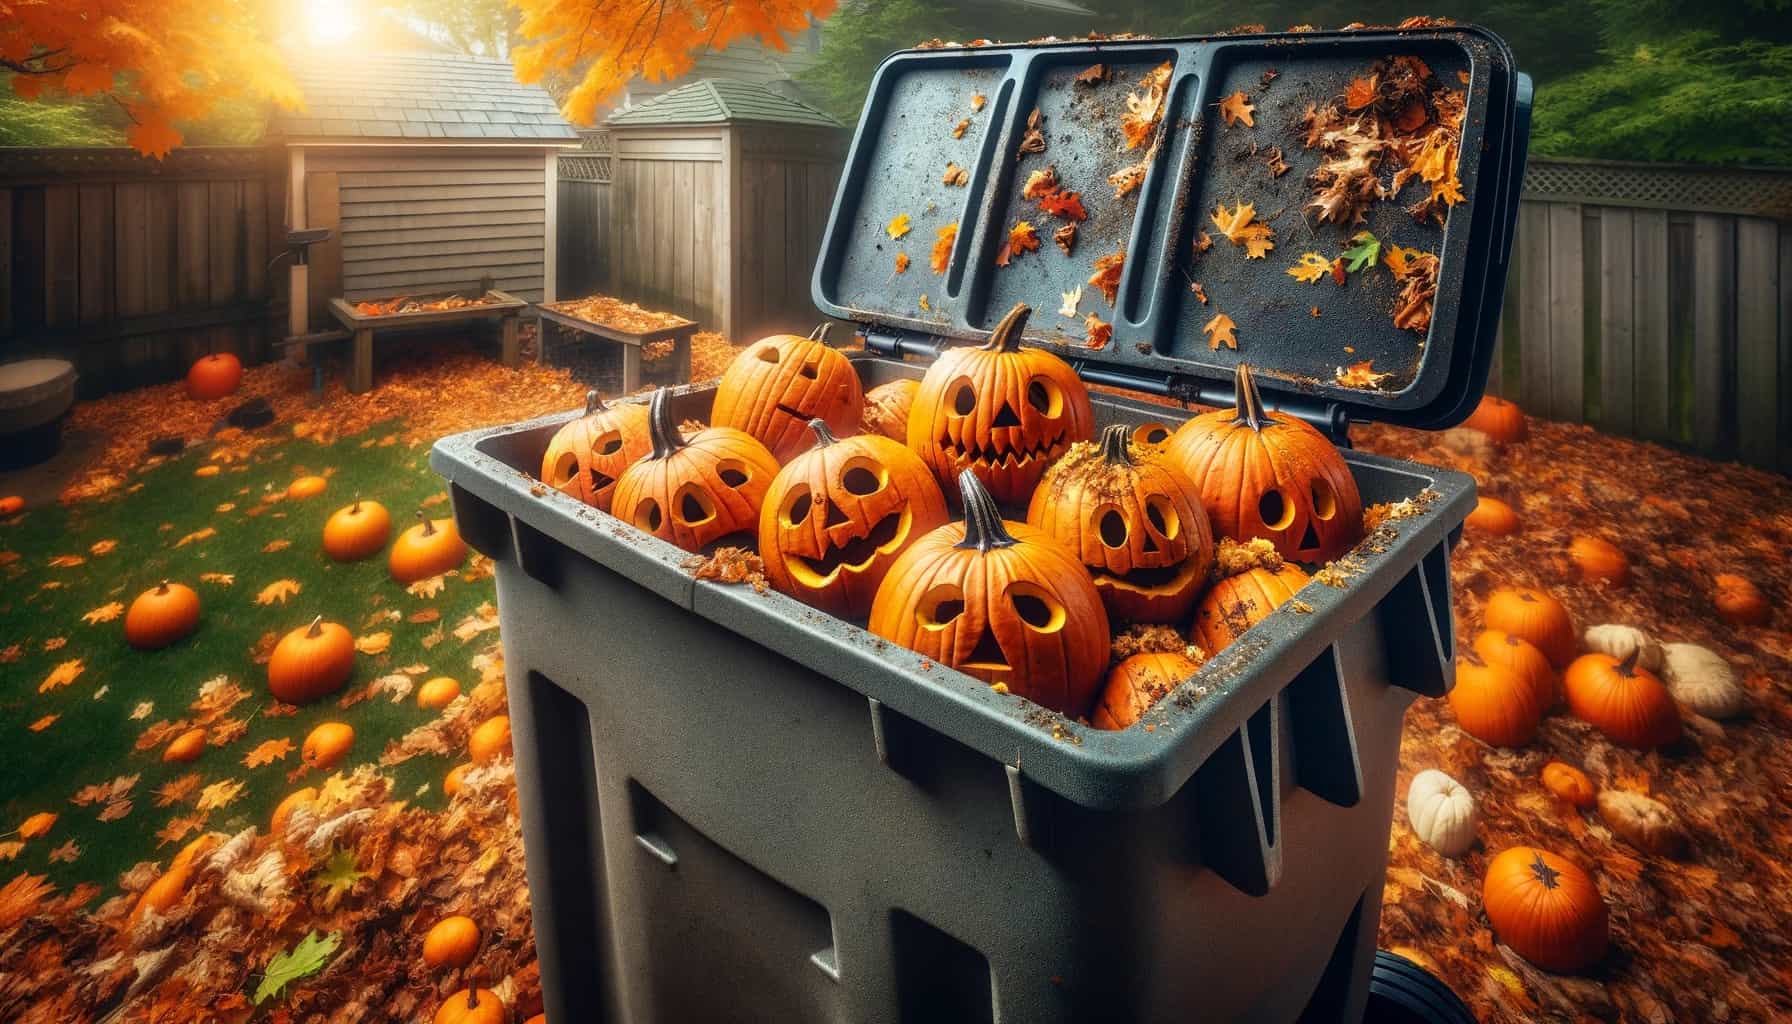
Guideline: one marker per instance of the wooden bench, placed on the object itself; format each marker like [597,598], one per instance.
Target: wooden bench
[631,342]
[503,305]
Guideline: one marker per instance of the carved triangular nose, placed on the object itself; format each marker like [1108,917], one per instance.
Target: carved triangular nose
[1007,417]
[1309,539]
[835,516]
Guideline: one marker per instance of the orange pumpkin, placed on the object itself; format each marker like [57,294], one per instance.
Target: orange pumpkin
[1001,411]
[451,942]
[1569,784]
[1237,603]
[586,457]
[311,662]
[292,802]
[161,615]
[1599,560]
[1502,421]
[1622,699]
[214,376]
[357,531]
[455,778]
[11,505]
[887,408]
[540,1018]
[1493,704]
[430,548]
[1136,522]
[305,487]
[1533,615]
[1546,908]
[326,745]
[168,889]
[471,1006]
[1001,602]
[1270,476]
[1523,658]
[490,740]
[1492,517]
[697,491]
[778,384]
[1152,434]
[185,747]
[438,693]
[1137,683]
[1738,601]
[836,517]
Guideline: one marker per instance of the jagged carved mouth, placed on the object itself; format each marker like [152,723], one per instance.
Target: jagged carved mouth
[794,412]
[1145,579]
[855,554]
[1000,455]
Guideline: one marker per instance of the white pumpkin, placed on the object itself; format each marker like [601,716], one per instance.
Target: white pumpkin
[1619,641]
[1441,812]
[1702,680]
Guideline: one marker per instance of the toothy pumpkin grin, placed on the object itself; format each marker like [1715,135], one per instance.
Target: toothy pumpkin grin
[1002,455]
[1143,580]
[855,554]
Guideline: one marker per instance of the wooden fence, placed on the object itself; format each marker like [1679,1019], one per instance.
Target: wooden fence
[1655,302]
[133,268]
[585,222]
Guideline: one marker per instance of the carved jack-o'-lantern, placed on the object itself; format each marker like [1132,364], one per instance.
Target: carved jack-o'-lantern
[588,454]
[778,384]
[1134,519]
[693,492]
[999,601]
[1000,411]
[837,516]
[1271,476]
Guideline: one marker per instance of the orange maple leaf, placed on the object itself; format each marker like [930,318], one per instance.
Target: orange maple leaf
[1145,109]
[1107,274]
[222,579]
[1021,238]
[38,825]
[178,790]
[1040,183]
[1361,92]
[20,898]
[1448,190]
[104,613]
[178,829]
[218,795]
[1258,240]
[43,723]
[1398,259]
[1361,375]
[196,536]
[1237,108]
[960,128]
[902,262]
[66,561]
[1221,331]
[102,547]
[977,101]
[374,643]
[942,247]
[1310,267]
[267,752]
[898,226]
[279,590]
[955,175]
[1099,331]
[276,545]
[62,675]
[1232,223]
[1064,203]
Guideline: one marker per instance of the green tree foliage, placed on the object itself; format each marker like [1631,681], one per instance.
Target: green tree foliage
[99,121]
[478,28]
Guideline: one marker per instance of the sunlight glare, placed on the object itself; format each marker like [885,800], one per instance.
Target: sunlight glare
[329,21]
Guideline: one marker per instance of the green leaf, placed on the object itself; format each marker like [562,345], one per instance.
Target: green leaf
[339,873]
[1363,253]
[302,961]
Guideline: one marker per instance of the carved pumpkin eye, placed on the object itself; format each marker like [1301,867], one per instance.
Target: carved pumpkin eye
[811,369]
[939,606]
[1151,433]
[1038,610]
[797,506]
[693,505]
[1046,398]
[609,444]
[566,467]
[1112,527]
[863,477]
[964,397]
[648,516]
[769,354]
[1163,516]
[734,474]
[1325,500]
[1276,511]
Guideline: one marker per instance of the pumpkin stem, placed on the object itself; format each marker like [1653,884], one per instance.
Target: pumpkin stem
[1248,403]
[1545,874]
[355,509]
[1627,664]
[429,526]
[661,427]
[820,333]
[162,588]
[594,402]
[983,528]
[1116,444]
[317,628]
[1006,335]
[472,998]
[823,435]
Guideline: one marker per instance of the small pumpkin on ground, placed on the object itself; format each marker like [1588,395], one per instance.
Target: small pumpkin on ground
[887,408]
[1532,614]
[456,777]
[1644,823]
[1492,517]
[437,693]
[776,385]
[1599,560]
[471,1006]
[430,548]
[1239,602]
[1001,411]
[1502,421]
[214,376]
[837,516]
[1626,702]
[693,492]
[1137,683]
[999,601]
[1546,908]
[1136,522]
[1507,651]
[1570,784]
[1702,681]
[185,747]
[164,614]
[1739,601]
[290,803]
[12,504]
[306,487]
[1494,704]
[587,456]
[1619,641]
[1270,475]
[490,740]
[327,744]
[357,531]
[168,889]
[451,942]
[1442,812]
[311,662]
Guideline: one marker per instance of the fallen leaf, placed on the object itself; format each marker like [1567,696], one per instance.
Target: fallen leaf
[1220,331]
[923,304]
[1310,267]
[373,643]
[1258,241]
[1065,238]
[222,579]
[102,547]
[1094,74]
[196,536]
[1273,160]
[1203,242]
[115,810]
[67,853]
[37,826]
[160,733]
[1145,109]
[43,723]
[143,710]
[218,795]
[1021,238]
[1237,108]
[1361,375]
[176,791]
[1449,191]
[11,654]
[1200,292]
[1127,180]
[311,954]
[955,176]
[424,617]
[942,247]
[279,591]
[11,850]
[902,262]
[19,898]
[267,752]
[277,544]
[104,613]
[898,226]
[1099,331]
[1040,183]
[1363,253]
[66,561]
[960,128]
[1034,139]
[62,675]
[225,507]
[55,643]
[1071,298]
[226,732]
[207,471]
[1360,93]
[178,829]
[977,100]
[427,587]
[1107,274]
[100,694]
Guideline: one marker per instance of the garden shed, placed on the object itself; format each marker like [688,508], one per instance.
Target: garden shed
[433,171]
[720,191]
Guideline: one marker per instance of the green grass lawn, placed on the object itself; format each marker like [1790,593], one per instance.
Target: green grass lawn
[120,693]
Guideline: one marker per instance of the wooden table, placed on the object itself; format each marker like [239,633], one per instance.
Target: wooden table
[508,308]
[631,342]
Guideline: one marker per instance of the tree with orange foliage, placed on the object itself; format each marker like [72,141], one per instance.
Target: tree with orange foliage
[162,60]
[603,44]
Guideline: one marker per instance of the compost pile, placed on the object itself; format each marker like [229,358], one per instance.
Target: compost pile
[407,304]
[617,314]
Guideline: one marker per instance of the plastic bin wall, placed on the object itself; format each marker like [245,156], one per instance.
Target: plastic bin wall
[737,808]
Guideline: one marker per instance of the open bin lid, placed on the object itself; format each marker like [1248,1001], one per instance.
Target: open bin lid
[948,137]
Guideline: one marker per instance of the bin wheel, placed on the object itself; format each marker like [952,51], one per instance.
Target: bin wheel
[1402,992]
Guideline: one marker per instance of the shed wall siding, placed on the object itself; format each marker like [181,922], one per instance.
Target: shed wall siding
[440,221]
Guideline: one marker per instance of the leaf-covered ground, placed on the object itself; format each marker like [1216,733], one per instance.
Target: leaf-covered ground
[381,855]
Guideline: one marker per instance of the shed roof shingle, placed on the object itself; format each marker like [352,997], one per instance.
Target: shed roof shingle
[375,96]
[716,100]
